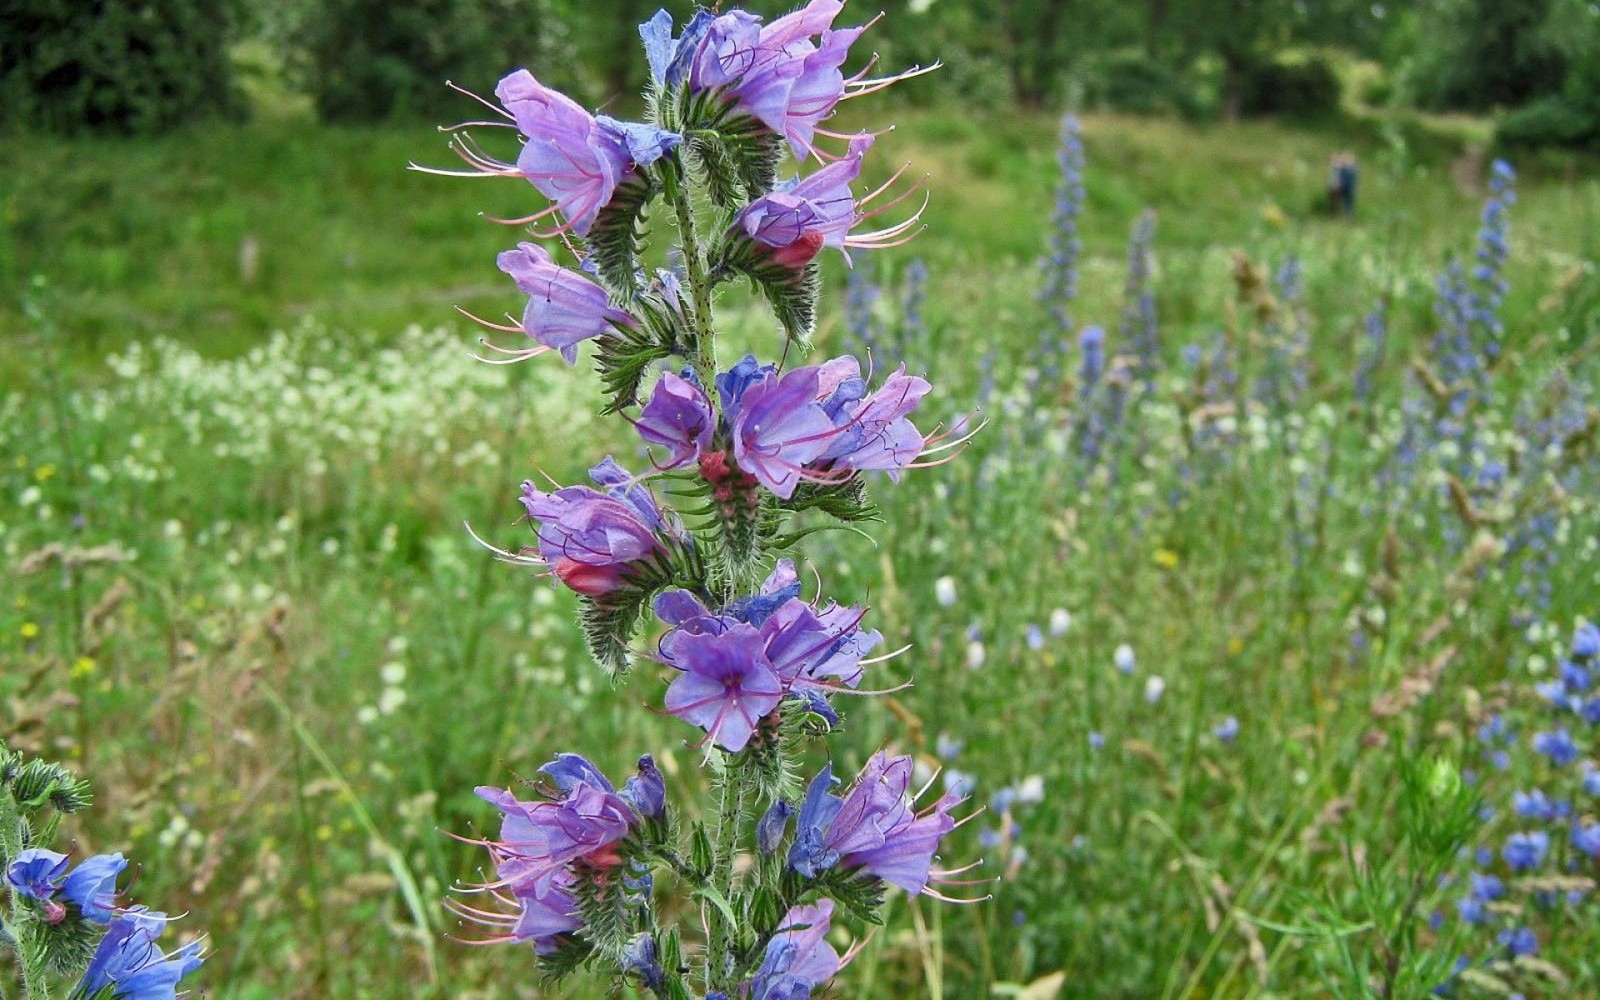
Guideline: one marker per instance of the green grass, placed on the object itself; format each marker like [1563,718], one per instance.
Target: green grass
[270,525]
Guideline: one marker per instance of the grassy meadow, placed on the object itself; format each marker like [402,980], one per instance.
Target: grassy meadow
[241,431]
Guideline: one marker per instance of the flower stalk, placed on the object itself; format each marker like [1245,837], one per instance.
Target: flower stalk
[709,588]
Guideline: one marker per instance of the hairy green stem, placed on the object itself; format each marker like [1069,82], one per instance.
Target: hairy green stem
[703,354]
[19,926]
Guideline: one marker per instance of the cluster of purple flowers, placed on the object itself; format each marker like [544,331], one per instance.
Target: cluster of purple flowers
[737,665]
[1061,266]
[126,964]
[548,845]
[1522,884]
[875,827]
[753,665]
[1140,328]
[812,424]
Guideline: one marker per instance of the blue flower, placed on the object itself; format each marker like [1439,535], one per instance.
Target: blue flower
[1586,838]
[1227,730]
[1558,746]
[1520,941]
[774,824]
[639,958]
[37,873]
[1585,641]
[1525,851]
[93,885]
[130,964]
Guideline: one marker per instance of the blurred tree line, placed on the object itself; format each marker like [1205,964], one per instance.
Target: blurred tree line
[140,65]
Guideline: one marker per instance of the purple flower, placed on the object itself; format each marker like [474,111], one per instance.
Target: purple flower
[1486,887]
[641,958]
[129,963]
[1585,641]
[798,958]
[1536,805]
[670,57]
[774,824]
[874,827]
[1558,746]
[1520,941]
[1525,851]
[589,538]
[875,432]
[37,873]
[774,72]
[543,916]
[679,418]
[92,886]
[565,307]
[727,684]
[573,158]
[733,383]
[1586,838]
[780,429]
[800,217]
[1227,730]
[540,840]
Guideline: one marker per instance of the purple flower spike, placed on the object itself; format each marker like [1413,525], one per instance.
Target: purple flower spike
[799,958]
[679,418]
[727,683]
[573,158]
[780,429]
[565,307]
[92,886]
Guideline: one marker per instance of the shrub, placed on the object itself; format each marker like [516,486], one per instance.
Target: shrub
[366,60]
[1130,81]
[112,65]
[1552,121]
[1308,89]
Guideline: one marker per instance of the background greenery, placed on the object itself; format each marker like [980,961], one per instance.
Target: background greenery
[240,596]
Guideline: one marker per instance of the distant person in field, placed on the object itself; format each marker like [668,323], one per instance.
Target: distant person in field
[1342,184]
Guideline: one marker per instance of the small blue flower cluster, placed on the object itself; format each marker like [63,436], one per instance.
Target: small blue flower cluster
[1520,886]
[1061,266]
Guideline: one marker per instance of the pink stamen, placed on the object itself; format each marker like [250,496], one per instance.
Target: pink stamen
[497,109]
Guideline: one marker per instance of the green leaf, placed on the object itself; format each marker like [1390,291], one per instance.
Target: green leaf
[714,896]
[617,237]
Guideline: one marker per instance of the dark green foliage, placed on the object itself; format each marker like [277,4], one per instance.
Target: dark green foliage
[1552,121]
[114,66]
[1126,80]
[624,358]
[568,955]
[1306,89]
[38,783]
[68,945]
[365,60]
[1477,54]
[617,236]
[792,292]
[845,500]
